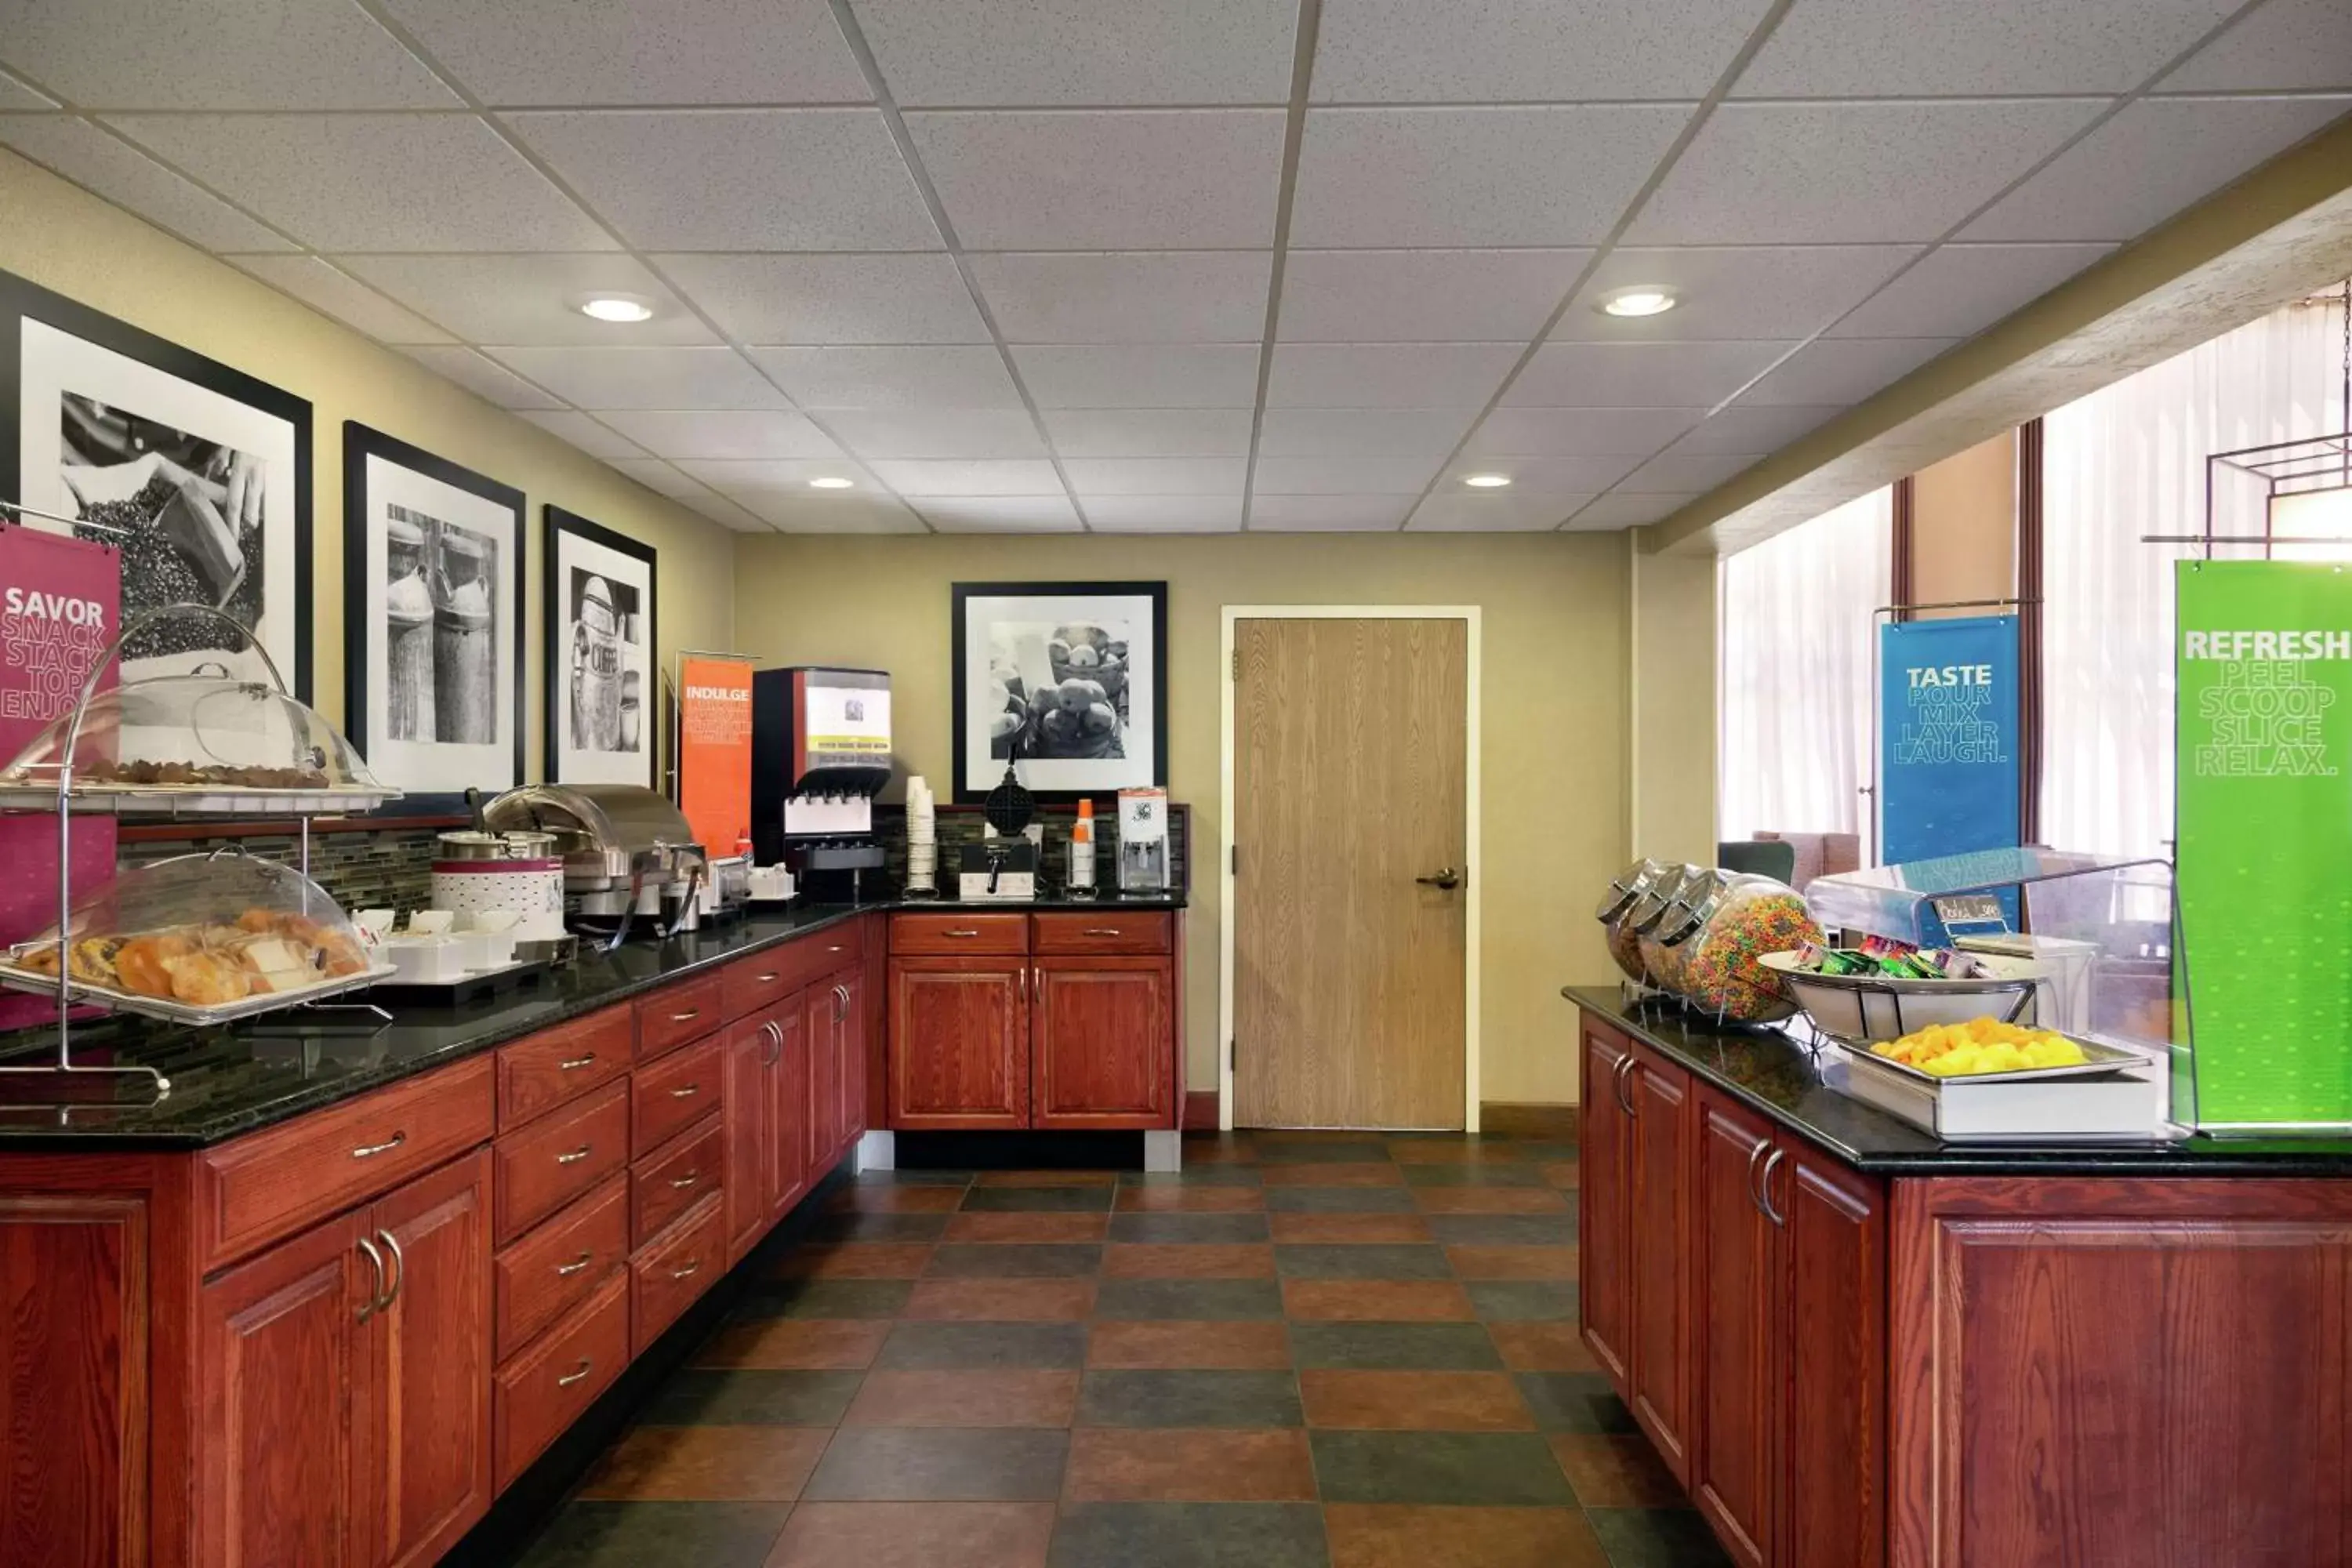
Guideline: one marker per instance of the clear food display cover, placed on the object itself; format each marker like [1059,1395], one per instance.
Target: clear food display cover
[1720,965]
[199,939]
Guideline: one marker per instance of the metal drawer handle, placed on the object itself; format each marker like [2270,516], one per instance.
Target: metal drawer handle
[768,978]
[833,949]
[566,1270]
[1764,1189]
[692,1268]
[1617,1077]
[1101,931]
[686,1092]
[679,1184]
[965,930]
[399,1270]
[688,1016]
[370,1151]
[375,1297]
[574,1157]
[576,1063]
[582,1371]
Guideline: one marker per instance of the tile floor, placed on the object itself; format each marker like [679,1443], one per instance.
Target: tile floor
[1306,1350]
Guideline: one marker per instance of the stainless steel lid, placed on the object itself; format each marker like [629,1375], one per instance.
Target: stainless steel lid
[606,834]
[469,845]
[1626,888]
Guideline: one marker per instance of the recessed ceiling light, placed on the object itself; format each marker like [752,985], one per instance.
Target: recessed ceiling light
[831,482]
[1641,300]
[616,308]
[1487,482]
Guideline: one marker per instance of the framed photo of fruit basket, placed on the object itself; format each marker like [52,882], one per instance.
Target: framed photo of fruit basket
[603,701]
[1066,681]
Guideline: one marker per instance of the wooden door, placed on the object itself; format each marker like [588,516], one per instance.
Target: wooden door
[821,1029]
[959,1042]
[433,1355]
[852,1047]
[1102,1043]
[1660,1229]
[754,1148]
[788,1115]
[1351,784]
[1604,1291]
[1832,1378]
[1736,1300]
[285,1396]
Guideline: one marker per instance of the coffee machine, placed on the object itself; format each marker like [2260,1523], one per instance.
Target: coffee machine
[820,755]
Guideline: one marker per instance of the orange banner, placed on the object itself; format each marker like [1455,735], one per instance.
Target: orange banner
[714,750]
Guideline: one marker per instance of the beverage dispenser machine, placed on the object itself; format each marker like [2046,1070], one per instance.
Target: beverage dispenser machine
[820,755]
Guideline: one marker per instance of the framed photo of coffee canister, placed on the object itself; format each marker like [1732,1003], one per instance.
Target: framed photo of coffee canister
[602,696]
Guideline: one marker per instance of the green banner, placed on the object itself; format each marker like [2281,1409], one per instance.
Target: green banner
[2263,762]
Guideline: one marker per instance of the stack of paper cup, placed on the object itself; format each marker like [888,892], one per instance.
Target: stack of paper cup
[922,838]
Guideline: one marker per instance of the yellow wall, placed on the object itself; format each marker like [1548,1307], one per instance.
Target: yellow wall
[1673,679]
[1554,774]
[1964,526]
[70,242]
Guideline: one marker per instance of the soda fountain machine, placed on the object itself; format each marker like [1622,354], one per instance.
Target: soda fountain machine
[820,755]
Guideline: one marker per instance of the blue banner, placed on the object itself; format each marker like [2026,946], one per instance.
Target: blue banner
[1948,743]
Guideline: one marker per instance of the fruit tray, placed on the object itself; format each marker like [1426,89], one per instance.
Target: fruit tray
[2099,1059]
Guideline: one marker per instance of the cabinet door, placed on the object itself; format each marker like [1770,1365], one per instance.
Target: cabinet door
[1660,1232]
[1102,1043]
[821,1028]
[793,1138]
[1738,1320]
[1603,1258]
[1833,1384]
[284,1398]
[431,1343]
[754,1151]
[851,1045]
[959,1042]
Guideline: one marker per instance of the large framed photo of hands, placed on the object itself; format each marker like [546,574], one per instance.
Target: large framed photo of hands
[1063,681]
[602,702]
[199,473]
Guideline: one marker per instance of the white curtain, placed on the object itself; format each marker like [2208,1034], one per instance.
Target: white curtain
[2129,460]
[1795,711]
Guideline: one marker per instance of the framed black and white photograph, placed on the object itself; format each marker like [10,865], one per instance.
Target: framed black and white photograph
[601,694]
[433,648]
[1062,680]
[198,472]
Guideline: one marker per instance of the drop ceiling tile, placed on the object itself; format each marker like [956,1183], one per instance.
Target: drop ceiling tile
[1680,473]
[1387,376]
[494,383]
[374,181]
[1109,180]
[723,433]
[1403,51]
[1732,291]
[1125,296]
[661,478]
[1092,477]
[937,432]
[821,296]
[1001,514]
[1082,51]
[336,294]
[1553,175]
[1639,376]
[793,508]
[1154,375]
[1343,476]
[645,378]
[584,433]
[15,95]
[1507,512]
[1585,474]
[1329,514]
[2284,45]
[639,51]
[1361,432]
[532,299]
[1867,49]
[2158,156]
[750,179]
[1758,430]
[969,476]
[1624,510]
[214,54]
[128,178]
[1958,291]
[768,484]
[1165,514]
[725,512]
[1577,432]
[1148,432]
[1843,370]
[1422,295]
[1851,173]
[844,376]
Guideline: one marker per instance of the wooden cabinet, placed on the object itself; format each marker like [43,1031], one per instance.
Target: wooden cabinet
[753,1141]
[789,1116]
[851,1043]
[1658,1252]
[1101,1038]
[1831,1284]
[1604,1269]
[959,1042]
[1738,1329]
[821,1029]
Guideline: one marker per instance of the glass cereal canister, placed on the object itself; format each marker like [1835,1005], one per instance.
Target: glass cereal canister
[1744,917]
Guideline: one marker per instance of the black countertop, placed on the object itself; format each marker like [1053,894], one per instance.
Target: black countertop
[1780,1077]
[229,1081]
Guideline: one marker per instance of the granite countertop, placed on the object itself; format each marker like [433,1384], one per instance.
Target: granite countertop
[1781,1079]
[229,1081]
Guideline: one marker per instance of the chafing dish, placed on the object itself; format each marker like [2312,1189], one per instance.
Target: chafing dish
[627,853]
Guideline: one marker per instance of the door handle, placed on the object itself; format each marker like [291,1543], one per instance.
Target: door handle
[375,1297]
[1617,1076]
[1764,1188]
[399,1268]
[1754,1156]
[1445,876]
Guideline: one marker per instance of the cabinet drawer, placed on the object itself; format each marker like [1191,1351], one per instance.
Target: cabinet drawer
[1110,930]
[554,1267]
[546,1388]
[253,1191]
[766,978]
[559,1157]
[561,1064]
[959,934]
[674,1178]
[666,1278]
[677,1014]
[679,1089]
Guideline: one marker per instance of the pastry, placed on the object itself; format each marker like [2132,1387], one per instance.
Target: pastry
[208,979]
[91,958]
[143,964]
[277,963]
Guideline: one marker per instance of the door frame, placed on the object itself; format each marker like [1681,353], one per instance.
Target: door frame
[1470,615]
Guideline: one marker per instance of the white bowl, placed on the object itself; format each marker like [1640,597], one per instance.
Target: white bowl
[1870,1007]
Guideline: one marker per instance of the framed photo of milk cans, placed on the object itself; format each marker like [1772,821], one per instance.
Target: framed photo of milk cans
[1063,681]
[601,699]
[433,648]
